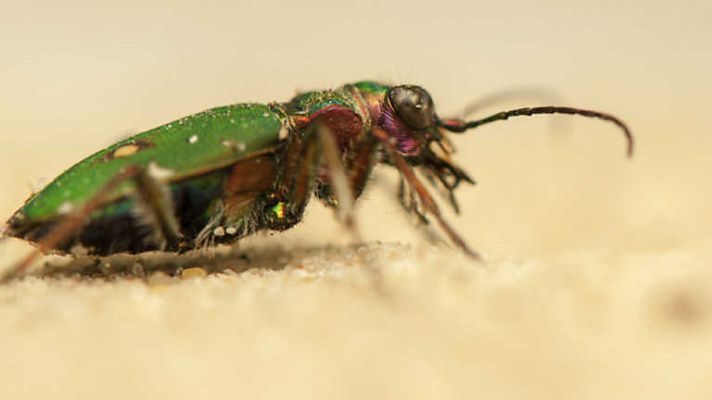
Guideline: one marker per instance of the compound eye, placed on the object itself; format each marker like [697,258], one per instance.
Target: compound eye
[413,105]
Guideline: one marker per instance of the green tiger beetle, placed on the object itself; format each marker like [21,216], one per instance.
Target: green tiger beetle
[228,172]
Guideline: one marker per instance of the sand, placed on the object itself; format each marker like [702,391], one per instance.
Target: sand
[319,323]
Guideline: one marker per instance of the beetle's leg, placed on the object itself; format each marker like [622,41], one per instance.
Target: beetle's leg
[447,189]
[360,164]
[151,194]
[156,197]
[68,226]
[426,199]
[297,174]
[299,166]
[306,175]
[406,198]
[238,211]
[337,176]
[401,194]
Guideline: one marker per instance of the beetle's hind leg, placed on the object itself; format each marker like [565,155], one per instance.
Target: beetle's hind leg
[156,198]
[152,195]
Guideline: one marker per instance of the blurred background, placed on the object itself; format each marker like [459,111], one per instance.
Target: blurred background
[76,76]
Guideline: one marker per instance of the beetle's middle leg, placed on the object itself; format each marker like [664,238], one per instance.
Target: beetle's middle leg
[297,173]
[343,192]
[301,168]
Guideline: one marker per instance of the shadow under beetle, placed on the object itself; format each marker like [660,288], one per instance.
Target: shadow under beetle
[225,173]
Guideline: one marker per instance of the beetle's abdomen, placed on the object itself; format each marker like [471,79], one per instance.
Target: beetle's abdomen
[125,225]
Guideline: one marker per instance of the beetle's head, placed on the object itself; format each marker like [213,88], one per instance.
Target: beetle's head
[409,117]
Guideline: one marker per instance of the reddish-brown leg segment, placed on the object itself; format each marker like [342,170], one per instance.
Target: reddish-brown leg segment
[429,204]
[337,175]
[360,165]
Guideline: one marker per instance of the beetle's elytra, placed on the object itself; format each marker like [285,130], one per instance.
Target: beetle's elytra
[222,174]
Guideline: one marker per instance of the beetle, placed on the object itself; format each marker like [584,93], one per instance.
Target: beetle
[225,173]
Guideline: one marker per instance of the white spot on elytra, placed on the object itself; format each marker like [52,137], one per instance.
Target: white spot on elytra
[193,139]
[126,150]
[219,231]
[65,208]
[158,172]
[234,146]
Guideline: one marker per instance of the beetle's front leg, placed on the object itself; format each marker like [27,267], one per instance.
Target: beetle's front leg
[343,183]
[359,163]
[426,199]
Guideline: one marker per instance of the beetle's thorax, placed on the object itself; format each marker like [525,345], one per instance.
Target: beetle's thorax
[368,97]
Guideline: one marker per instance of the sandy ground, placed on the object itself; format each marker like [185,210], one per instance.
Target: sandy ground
[598,280]
[433,326]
